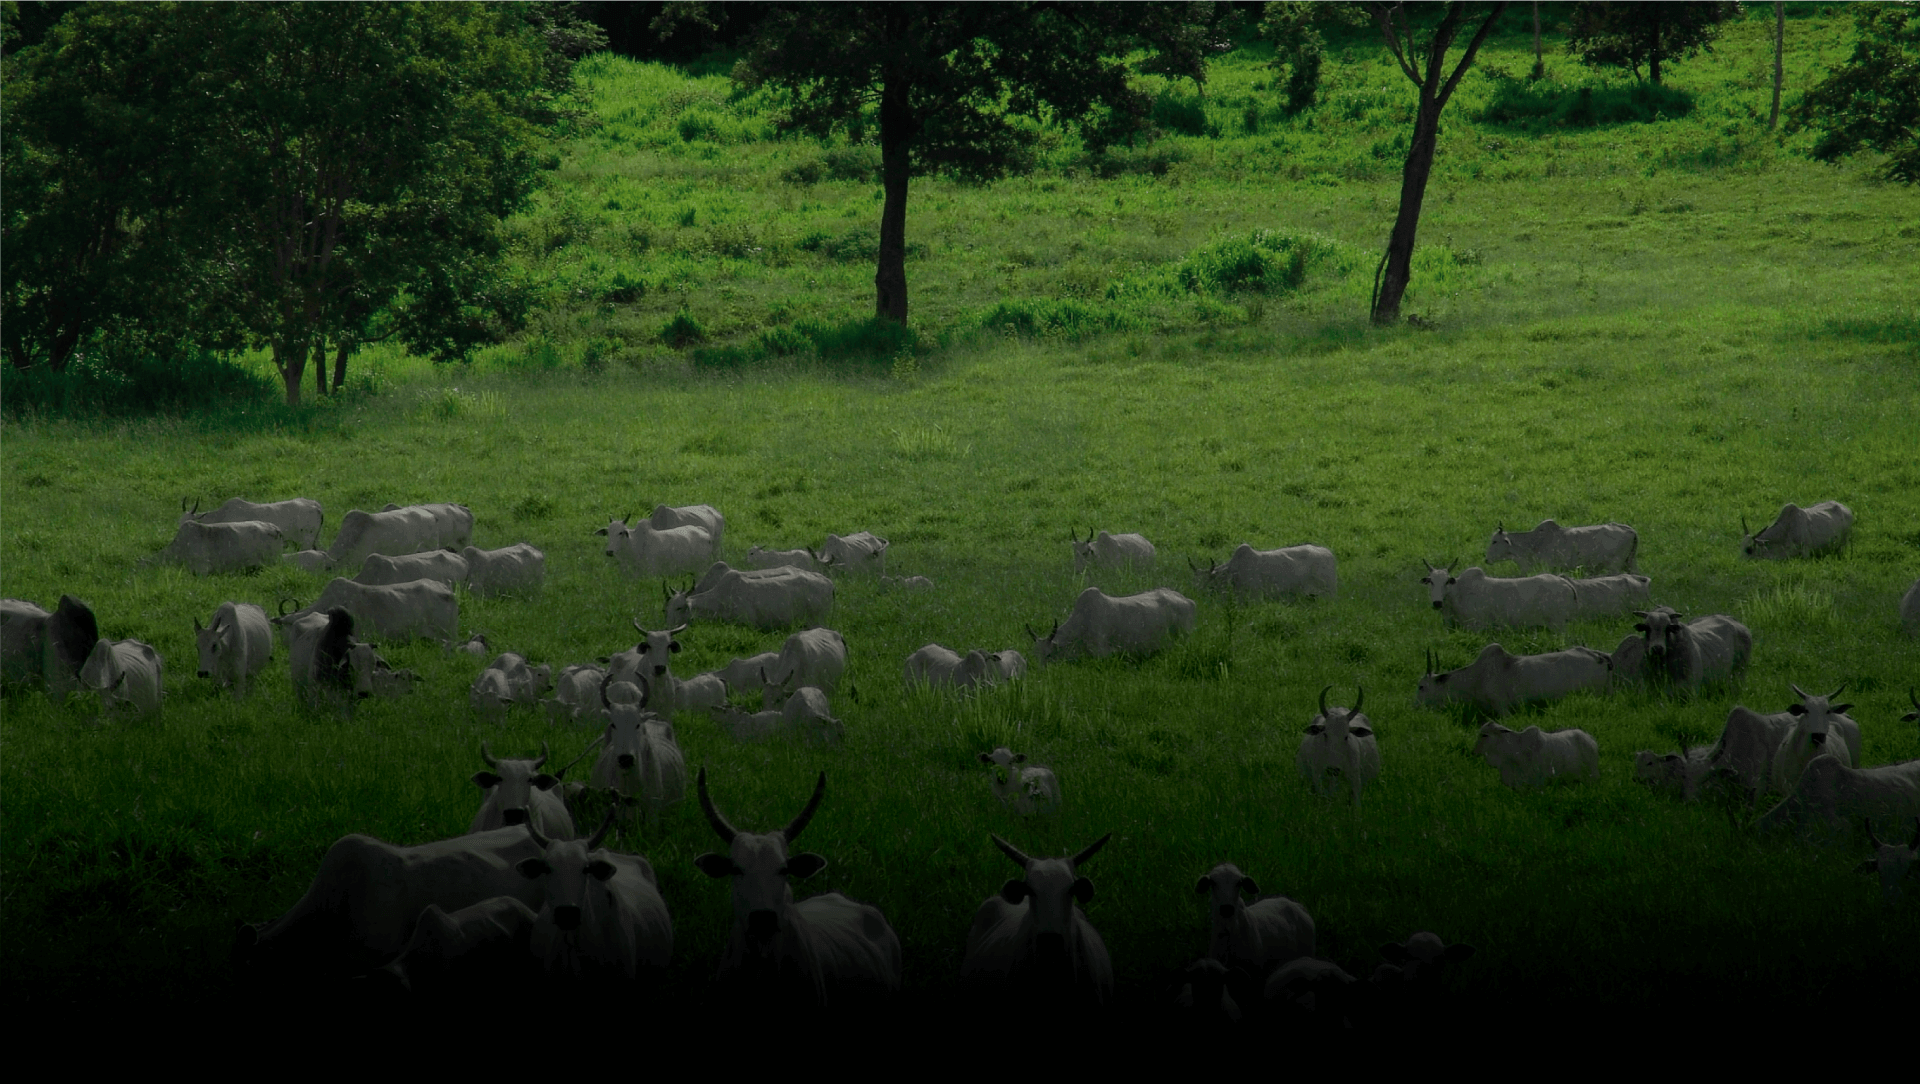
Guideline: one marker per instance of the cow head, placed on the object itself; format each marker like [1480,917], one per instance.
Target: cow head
[1438,579]
[679,605]
[1082,550]
[1814,717]
[1494,740]
[566,865]
[759,865]
[1500,546]
[1436,686]
[1893,861]
[1043,646]
[211,645]
[189,515]
[614,530]
[657,649]
[625,736]
[1214,575]
[1340,722]
[1003,759]
[1050,889]
[1223,885]
[101,671]
[1663,628]
[511,783]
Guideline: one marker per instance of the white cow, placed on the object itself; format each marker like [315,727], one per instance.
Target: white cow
[1475,600]
[1257,936]
[1308,571]
[308,560]
[810,657]
[453,523]
[41,648]
[704,516]
[380,569]
[1032,940]
[1338,751]
[576,695]
[1694,653]
[235,646]
[1799,532]
[1910,610]
[1012,664]
[393,532]
[518,792]
[643,550]
[857,552]
[206,548]
[805,713]
[126,673]
[475,644]
[451,953]
[652,658]
[1813,719]
[749,674]
[1534,757]
[1603,547]
[816,951]
[1894,862]
[934,664]
[299,519]
[508,681]
[1749,743]
[1103,550]
[327,665]
[1680,774]
[1024,788]
[603,914]
[394,611]
[1498,683]
[641,759]
[1832,797]
[758,557]
[1606,596]
[768,598]
[1102,625]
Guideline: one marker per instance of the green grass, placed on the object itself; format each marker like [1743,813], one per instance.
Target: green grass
[1669,324]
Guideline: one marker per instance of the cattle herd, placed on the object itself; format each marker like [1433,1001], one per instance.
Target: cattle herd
[532,886]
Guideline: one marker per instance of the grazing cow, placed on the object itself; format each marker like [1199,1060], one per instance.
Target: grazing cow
[452,523]
[299,519]
[766,598]
[308,560]
[1475,600]
[1534,757]
[46,649]
[1799,532]
[806,713]
[1833,797]
[395,611]
[518,792]
[1024,788]
[367,896]
[1310,571]
[814,951]
[858,552]
[576,695]
[704,516]
[394,532]
[1695,653]
[603,915]
[640,759]
[645,551]
[1910,610]
[1894,862]
[450,954]
[235,646]
[909,583]
[1603,547]
[1338,751]
[934,664]
[1813,720]
[206,548]
[1011,664]
[126,673]
[1032,939]
[1102,625]
[380,569]
[1498,683]
[1679,774]
[749,674]
[1257,936]
[810,657]
[1608,596]
[758,557]
[1118,551]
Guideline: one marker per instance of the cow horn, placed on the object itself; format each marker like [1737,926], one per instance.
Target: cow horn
[1010,851]
[486,754]
[183,504]
[639,628]
[196,623]
[1054,631]
[196,507]
[626,517]
[1867,823]
[799,823]
[1032,635]
[1359,697]
[1835,694]
[1798,691]
[1191,566]
[1743,527]
[543,759]
[720,825]
[537,837]
[1090,850]
[1500,525]
[599,833]
[677,629]
[1323,699]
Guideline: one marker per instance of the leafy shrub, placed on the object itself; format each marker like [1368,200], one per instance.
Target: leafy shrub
[624,289]
[683,330]
[137,383]
[781,342]
[858,244]
[1547,104]
[806,171]
[856,162]
[868,342]
[1265,262]
[1066,318]
[1179,113]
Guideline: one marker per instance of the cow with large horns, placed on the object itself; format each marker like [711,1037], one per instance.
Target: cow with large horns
[1814,724]
[822,949]
[602,915]
[1338,751]
[1032,940]
[518,792]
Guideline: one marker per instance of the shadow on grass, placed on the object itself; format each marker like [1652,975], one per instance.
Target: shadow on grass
[1545,105]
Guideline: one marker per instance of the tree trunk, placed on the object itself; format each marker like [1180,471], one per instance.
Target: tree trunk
[896,132]
[340,363]
[290,357]
[1539,63]
[1779,44]
[1653,54]
[320,368]
[1413,192]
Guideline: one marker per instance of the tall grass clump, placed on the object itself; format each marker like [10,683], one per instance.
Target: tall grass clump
[1263,262]
[1541,105]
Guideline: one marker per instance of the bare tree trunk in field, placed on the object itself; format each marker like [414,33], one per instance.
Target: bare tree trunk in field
[1779,45]
[1539,63]
[345,347]
[1653,55]
[290,357]
[320,368]
[896,131]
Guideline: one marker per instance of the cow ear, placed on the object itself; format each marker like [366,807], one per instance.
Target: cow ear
[1015,891]
[1019,758]
[1249,886]
[805,865]
[986,759]
[1361,731]
[1083,890]
[545,781]
[485,780]
[1796,709]
[1839,709]
[1203,886]
[602,870]
[673,646]
[1640,626]
[601,531]
[1317,728]
[641,647]
[1394,954]
[531,868]
[1458,953]
[716,865]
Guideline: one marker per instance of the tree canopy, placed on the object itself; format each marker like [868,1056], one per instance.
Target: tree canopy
[1872,101]
[1616,34]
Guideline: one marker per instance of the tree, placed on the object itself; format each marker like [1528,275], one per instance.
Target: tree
[1296,29]
[946,84]
[1612,33]
[1872,101]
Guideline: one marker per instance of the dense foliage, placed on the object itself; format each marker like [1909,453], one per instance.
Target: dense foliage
[1872,102]
[1622,34]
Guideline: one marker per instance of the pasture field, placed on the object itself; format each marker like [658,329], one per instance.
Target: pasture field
[1628,328]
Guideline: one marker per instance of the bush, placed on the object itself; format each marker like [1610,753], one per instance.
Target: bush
[1547,104]
[100,383]
[1179,113]
[854,246]
[625,290]
[1264,262]
[1067,318]
[682,330]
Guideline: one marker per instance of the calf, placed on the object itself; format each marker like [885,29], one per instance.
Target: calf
[518,792]
[511,570]
[236,646]
[576,695]
[1116,551]
[857,552]
[602,915]
[749,674]
[308,560]
[126,673]
[1338,751]
[937,665]
[1257,936]
[1534,757]
[805,713]
[1894,862]
[1678,774]
[704,516]
[816,951]
[1032,941]
[1025,789]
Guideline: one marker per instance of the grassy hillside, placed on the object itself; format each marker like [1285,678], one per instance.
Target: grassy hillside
[1670,324]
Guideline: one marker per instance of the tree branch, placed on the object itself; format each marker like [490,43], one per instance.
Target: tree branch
[1473,47]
